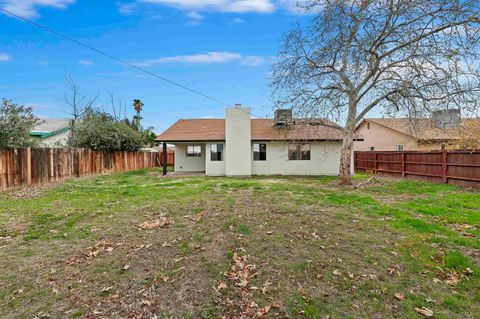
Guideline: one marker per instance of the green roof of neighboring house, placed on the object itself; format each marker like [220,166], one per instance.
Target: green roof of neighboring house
[50,127]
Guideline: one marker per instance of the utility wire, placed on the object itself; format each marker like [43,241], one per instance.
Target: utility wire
[115,58]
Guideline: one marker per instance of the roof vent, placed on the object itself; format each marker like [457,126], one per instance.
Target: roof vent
[238,105]
[446,119]
[283,117]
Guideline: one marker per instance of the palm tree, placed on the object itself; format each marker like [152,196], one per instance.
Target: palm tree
[138,105]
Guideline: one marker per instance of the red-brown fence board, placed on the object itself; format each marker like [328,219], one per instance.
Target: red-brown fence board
[55,164]
[451,167]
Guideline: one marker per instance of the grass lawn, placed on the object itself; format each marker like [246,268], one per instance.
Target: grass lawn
[136,245]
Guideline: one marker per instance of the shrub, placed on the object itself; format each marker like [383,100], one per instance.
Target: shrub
[100,131]
[16,122]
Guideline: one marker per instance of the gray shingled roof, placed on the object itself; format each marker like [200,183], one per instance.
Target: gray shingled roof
[51,125]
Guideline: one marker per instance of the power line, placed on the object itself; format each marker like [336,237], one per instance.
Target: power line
[114,58]
[110,56]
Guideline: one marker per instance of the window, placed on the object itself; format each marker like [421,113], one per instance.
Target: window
[400,147]
[368,125]
[372,148]
[194,151]
[259,152]
[299,152]
[216,152]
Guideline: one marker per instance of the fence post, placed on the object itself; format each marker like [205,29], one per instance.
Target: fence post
[50,156]
[444,166]
[376,163]
[403,164]
[29,166]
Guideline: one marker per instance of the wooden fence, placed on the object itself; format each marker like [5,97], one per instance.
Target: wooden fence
[451,167]
[25,166]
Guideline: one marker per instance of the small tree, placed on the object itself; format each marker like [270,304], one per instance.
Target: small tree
[79,104]
[406,57]
[149,137]
[16,122]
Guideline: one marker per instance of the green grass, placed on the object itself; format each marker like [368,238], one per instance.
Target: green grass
[320,250]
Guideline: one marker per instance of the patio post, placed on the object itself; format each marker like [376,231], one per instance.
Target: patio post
[164,159]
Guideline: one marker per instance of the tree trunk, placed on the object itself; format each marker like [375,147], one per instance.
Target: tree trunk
[347,147]
[346,158]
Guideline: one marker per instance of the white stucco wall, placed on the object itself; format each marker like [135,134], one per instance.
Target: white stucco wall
[215,168]
[58,140]
[324,160]
[189,164]
[238,141]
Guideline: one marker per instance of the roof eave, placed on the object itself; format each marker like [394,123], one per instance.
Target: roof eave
[49,134]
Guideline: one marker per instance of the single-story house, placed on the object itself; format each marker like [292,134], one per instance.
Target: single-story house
[398,134]
[52,132]
[241,146]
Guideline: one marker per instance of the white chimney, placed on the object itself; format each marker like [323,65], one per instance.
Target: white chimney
[238,141]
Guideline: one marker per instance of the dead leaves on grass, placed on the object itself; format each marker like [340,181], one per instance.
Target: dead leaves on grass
[91,252]
[156,224]
[241,273]
[198,217]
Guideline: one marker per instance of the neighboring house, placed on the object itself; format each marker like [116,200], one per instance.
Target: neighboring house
[241,146]
[52,132]
[390,134]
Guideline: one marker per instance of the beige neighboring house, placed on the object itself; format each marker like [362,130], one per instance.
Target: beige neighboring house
[241,146]
[52,132]
[396,134]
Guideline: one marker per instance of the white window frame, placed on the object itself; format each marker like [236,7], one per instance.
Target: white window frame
[257,149]
[196,151]
[402,146]
[222,152]
[299,151]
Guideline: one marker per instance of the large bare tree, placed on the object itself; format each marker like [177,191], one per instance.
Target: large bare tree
[407,57]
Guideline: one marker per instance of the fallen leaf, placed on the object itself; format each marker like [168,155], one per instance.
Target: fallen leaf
[425,312]
[106,289]
[263,311]
[159,223]
[166,244]
[265,286]
[222,285]
[146,303]
[452,279]
[468,271]
[337,272]
[126,267]
[399,296]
